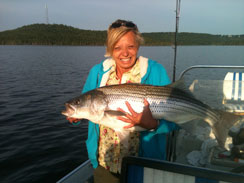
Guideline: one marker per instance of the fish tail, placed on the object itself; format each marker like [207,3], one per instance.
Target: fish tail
[222,126]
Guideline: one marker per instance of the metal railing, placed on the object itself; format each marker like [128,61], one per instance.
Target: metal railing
[210,67]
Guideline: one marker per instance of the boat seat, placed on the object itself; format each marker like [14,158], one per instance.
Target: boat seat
[144,170]
[233,90]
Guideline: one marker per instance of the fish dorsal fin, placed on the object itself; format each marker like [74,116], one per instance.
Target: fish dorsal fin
[114,113]
[180,84]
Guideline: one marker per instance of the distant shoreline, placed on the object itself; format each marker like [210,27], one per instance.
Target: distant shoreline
[55,34]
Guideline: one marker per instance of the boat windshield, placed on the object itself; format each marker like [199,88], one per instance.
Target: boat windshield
[220,88]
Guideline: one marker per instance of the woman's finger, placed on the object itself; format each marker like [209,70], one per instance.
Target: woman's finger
[124,119]
[130,108]
[146,103]
[121,110]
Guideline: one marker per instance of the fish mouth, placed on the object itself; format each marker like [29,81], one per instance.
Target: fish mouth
[69,110]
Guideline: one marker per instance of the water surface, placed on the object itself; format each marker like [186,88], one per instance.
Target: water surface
[37,143]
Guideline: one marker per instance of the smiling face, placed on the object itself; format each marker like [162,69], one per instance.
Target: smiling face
[125,53]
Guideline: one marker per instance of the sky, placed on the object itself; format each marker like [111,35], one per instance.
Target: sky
[225,17]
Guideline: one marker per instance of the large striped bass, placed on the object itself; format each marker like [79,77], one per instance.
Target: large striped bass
[166,102]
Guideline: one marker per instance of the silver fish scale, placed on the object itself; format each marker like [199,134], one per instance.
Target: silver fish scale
[179,101]
[166,102]
[186,104]
[116,96]
[162,100]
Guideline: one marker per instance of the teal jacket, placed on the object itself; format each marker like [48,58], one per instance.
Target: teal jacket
[152,143]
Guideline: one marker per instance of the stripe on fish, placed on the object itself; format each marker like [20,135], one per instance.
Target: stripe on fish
[166,102]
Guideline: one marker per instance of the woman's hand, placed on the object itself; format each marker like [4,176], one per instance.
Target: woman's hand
[73,120]
[143,119]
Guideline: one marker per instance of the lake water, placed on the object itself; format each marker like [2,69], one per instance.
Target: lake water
[37,143]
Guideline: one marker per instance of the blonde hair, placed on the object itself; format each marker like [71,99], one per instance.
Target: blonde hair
[117,30]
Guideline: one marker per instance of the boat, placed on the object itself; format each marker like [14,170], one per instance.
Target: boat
[172,170]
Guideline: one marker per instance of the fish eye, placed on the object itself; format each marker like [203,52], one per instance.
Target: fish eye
[77,102]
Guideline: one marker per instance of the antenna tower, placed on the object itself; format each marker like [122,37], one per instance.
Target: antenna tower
[46,9]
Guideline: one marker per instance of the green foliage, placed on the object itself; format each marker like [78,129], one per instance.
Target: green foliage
[54,34]
[46,34]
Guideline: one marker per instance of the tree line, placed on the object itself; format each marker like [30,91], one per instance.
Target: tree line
[58,34]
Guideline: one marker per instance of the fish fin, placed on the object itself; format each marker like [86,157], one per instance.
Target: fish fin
[222,127]
[114,113]
[181,85]
[192,86]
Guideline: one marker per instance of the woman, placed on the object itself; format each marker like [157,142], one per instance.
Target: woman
[124,66]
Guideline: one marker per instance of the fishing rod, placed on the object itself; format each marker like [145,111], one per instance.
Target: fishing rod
[171,143]
[177,12]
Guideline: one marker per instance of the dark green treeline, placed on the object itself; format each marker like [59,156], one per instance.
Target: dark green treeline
[54,34]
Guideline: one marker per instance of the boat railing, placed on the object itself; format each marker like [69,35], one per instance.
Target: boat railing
[81,174]
[210,67]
